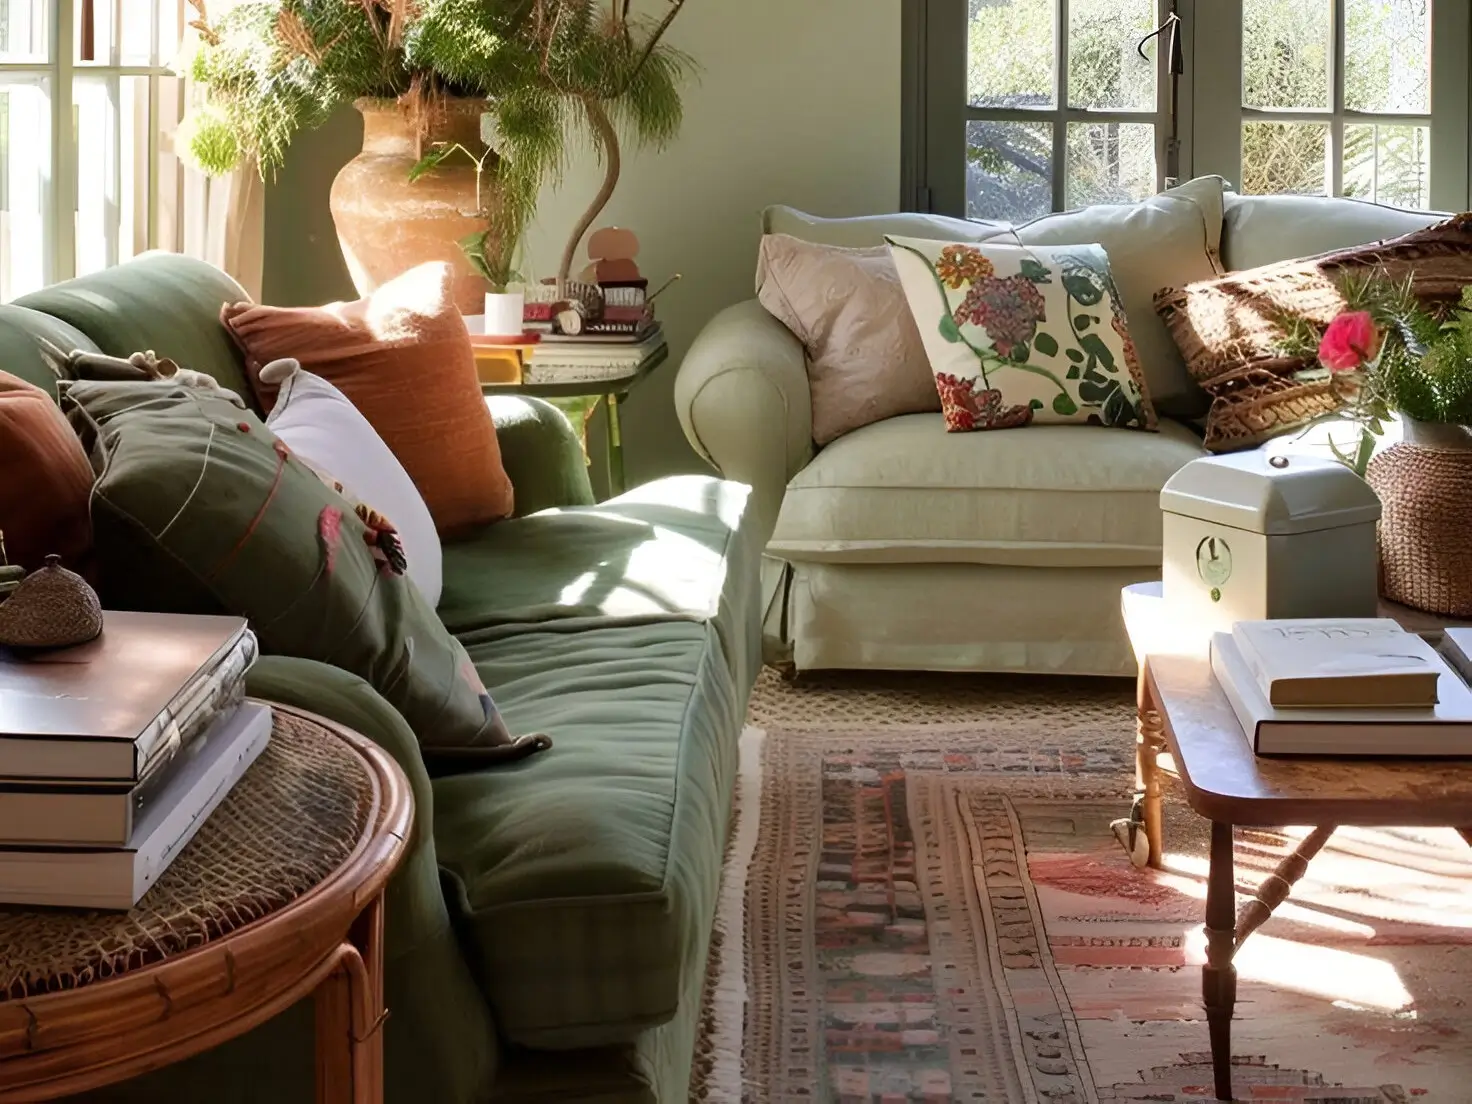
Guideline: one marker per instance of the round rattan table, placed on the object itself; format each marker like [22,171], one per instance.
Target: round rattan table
[279,895]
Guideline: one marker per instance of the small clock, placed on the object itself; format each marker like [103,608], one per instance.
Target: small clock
[1214,561]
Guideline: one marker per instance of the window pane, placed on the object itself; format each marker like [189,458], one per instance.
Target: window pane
[1009,170]
[1387,56]
[1286,48]
[1104,70]
[1389,164]
[1285,157]
[121,32]
[1110,163]
[25,167]
[23,30]
[1010,53]
[113,177]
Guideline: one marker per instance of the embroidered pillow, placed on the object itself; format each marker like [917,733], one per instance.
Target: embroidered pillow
[1019,334]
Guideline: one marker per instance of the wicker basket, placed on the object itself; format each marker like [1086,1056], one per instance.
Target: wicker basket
[1425,489]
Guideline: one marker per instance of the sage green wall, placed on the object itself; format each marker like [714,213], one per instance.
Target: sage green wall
[798,102]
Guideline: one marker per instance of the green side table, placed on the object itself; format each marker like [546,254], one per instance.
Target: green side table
[581,399]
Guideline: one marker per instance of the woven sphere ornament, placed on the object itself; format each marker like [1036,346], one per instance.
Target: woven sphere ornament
[51,608]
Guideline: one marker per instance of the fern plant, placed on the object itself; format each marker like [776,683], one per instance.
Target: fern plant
[549,71]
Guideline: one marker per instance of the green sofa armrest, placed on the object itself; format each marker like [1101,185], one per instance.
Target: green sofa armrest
[542,453]
[743,401]
[440,1041]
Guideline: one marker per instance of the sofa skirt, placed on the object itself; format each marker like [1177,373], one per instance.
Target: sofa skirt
[950,617]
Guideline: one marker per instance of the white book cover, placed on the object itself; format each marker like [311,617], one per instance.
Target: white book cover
[1444,729]
[118,878]
[1339,662]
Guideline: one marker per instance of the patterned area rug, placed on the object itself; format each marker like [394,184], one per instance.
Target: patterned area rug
[924,902]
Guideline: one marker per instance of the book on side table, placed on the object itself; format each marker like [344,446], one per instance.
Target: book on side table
[114,752]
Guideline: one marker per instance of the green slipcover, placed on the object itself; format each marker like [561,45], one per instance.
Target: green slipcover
[679,548]
[542,454]
[640,647]
[189,481]
[161,301]
[588,875]
[21,356]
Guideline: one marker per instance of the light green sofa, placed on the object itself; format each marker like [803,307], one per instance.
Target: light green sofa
[902,546]
[547,932]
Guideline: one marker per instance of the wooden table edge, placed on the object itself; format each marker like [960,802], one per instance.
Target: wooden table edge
[1267,812]
[367,868]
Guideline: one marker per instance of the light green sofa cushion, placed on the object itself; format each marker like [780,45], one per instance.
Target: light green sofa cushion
[588,875]
[161,301]
[1262,230]
[904,491]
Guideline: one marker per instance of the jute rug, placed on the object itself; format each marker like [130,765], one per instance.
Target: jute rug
[924,901]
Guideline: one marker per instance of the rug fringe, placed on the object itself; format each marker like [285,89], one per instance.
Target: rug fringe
[726,993]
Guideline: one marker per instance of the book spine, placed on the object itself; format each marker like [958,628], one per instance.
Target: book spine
[195,708]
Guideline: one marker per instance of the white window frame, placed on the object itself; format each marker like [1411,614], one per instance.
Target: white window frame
[157,201]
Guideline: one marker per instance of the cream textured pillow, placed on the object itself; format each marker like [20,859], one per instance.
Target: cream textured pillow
[1018,334]
[865,359]
[1168,240]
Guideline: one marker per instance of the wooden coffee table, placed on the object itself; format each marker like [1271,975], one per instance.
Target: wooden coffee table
[1183,713]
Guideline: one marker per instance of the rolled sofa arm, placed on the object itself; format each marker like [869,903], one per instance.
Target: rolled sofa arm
[742,397]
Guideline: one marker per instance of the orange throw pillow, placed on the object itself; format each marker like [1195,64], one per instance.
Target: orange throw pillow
[402,356]
[46,484]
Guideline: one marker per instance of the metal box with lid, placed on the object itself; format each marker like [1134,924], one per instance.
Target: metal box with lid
[1250,536]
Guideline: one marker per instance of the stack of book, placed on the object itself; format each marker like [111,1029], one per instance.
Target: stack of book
[578,360]
[114,753]
[1354,686]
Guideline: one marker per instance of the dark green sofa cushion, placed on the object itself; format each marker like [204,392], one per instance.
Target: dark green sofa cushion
[588,876]
[679,548]
[199,508]
[161,301]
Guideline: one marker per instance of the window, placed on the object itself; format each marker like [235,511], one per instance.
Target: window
[95,73]
[1028,106]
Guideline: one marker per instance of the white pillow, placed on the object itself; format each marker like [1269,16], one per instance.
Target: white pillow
[321,426]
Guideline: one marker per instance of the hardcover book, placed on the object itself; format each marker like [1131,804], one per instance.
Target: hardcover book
[1318,663]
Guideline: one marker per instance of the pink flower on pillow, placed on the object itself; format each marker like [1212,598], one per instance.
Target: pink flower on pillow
[1350,342]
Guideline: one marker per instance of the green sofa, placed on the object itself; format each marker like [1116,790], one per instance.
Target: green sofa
[549,926]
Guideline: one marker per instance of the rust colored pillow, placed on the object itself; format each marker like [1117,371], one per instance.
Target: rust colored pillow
[1231,330]
[45,481]
[402,356]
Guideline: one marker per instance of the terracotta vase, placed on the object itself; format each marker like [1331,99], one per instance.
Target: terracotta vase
[385,224]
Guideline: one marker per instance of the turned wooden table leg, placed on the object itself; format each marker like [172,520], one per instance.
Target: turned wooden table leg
[1219,975]
[350,1014]
[1149,741]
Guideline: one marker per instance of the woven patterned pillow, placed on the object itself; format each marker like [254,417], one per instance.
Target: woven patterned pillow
[1231,331]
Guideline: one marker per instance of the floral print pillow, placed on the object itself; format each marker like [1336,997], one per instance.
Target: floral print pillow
[1018,334]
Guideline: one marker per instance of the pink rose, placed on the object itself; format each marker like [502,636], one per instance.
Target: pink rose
[1350,342]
